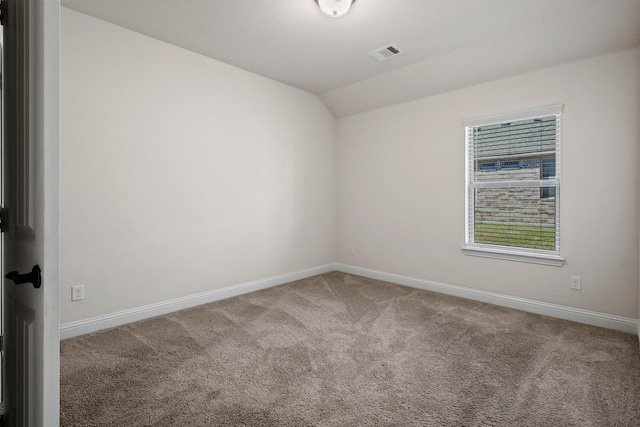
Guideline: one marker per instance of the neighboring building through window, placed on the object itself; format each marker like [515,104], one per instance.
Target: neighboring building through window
[513,186]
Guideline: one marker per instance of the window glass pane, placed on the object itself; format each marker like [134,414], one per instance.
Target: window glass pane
[516,217]
[549,167]
[546,192]
[512,164]
[487,166]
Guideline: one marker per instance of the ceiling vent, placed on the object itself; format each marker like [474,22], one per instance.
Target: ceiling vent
[385,53]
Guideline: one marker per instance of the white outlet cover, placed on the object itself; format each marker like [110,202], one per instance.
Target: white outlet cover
[77,293]
[576,283]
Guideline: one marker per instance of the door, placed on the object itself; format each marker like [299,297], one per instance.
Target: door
[30,198]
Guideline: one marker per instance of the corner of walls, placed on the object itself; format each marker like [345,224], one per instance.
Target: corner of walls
[180,174]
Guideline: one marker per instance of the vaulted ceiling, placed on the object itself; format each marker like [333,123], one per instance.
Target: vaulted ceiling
[447,44]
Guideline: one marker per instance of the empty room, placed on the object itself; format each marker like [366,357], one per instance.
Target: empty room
[345,213]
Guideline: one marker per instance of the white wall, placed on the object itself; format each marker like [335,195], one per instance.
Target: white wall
[401,186]
[181,174]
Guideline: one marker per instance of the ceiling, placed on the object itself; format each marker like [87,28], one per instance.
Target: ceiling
[447,44]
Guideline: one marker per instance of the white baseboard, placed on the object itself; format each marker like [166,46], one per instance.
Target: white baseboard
[94,324]
[609,321]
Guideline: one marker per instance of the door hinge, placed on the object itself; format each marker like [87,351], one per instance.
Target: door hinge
[1,342]
[3,12]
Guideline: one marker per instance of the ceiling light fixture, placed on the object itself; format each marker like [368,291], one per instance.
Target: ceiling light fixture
[335,8]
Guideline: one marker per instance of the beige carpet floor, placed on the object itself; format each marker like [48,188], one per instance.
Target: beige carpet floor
[343,350]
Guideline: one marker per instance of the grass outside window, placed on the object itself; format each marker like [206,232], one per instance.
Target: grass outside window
[521,236]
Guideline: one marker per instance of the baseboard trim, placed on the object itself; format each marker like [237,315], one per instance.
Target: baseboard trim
[94,324]
[609,321]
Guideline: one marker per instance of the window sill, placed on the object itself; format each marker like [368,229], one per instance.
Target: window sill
[532,258]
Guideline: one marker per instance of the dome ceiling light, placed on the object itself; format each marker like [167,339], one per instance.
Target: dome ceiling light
[335,8]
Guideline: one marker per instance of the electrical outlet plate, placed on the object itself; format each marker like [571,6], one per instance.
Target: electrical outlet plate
[576,283]
[77,293]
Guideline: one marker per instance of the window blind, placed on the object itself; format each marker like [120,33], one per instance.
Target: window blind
[513,182]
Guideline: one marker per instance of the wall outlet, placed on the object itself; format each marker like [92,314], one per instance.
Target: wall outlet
[77,293]
[352,250]
[576,283]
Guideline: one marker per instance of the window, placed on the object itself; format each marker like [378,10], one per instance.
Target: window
[548,171]
[513,186]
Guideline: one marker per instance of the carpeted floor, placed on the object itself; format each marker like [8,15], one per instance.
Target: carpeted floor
[343,350]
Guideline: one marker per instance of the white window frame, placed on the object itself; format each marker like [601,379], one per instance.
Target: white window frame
[535,256]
